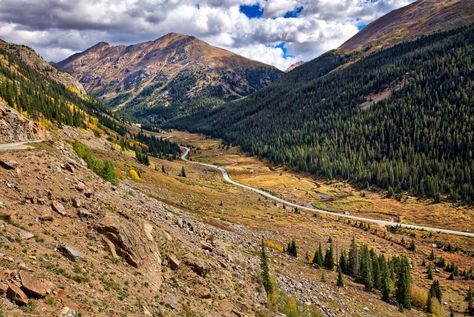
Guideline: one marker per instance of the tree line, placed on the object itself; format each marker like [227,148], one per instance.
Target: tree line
[419,140]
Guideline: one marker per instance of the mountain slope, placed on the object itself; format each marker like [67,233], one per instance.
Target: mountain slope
[38,64]
[42,93]
[166,77]
[422,17]
[401,119]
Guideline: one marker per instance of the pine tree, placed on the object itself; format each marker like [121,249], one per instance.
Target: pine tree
[329,258]
[163,169]
[412,246]
[386,287]
[320,256]
[377,278]
[431,257]
[429,304]
[353,261]
[435,290]
[470,302]
[267,283]
[365,270]
[340,281]
[430,271]
[183,172]
[292,249]
[343,262]
[404,283]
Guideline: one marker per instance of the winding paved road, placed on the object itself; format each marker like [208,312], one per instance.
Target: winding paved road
[16,145]
[226,177]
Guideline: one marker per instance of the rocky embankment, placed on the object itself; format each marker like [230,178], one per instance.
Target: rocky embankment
[15,128]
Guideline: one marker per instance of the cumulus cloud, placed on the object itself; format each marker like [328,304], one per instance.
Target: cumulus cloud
[57,28]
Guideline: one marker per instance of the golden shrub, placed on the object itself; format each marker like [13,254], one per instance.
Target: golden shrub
[273,245]
[134,175]
[418,297]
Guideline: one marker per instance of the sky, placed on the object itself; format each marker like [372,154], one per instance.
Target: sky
[276,32]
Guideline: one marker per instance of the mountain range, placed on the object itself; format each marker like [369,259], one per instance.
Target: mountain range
[168,77]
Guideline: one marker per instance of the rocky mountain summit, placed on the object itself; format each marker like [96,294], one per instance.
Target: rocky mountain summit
[423,17]
[166,77]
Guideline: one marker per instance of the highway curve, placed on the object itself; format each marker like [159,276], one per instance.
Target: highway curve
[226,177]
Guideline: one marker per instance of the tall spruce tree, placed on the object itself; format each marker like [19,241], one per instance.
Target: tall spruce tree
[435,290]
[386,287]
[329,258]
[404,282]
[353,261]
[340,281]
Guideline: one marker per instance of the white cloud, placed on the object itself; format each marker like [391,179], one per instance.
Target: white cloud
[57,28]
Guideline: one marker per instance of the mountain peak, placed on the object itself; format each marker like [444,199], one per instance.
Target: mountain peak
[420,18]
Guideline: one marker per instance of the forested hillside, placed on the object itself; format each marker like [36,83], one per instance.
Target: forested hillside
[401,119]
[42,98]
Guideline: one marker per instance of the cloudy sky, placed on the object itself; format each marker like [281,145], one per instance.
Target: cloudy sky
[277,32]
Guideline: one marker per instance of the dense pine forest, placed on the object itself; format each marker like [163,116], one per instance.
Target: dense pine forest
[41,98]
[319,118]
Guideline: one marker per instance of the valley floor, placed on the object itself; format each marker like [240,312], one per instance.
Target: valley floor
[188,246]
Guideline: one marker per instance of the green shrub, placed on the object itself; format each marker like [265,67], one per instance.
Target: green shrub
[103,168]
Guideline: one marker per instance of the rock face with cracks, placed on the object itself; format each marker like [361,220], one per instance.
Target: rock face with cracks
[125,239]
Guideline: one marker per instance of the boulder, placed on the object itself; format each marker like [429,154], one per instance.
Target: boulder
[9,165]
[59,208]
[197,265]
[76,202]
[67,312]
[45,218]
[202,291]
[32,286]
[173,262]
[132,244]
[16,295]
[25,235]
[69,252]
[85,214]
[81,186]
[88,193]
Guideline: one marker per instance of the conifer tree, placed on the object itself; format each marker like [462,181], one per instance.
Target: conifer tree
[404,283]
[429,303]
[435,290]
[386,286]
[318,256]
[343,262]
[292,249]
[340,281]
[470,302]
[365,270]
[412,246]
[430,271]
[431,257]
[329,258]
[353,261]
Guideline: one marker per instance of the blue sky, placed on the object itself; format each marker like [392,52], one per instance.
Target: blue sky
[276,32]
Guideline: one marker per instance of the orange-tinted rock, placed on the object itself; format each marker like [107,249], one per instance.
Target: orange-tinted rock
[16,295]
[32,286]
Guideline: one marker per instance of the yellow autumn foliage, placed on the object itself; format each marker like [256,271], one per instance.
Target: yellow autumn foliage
[134,175]
[273,245]
[418,297]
